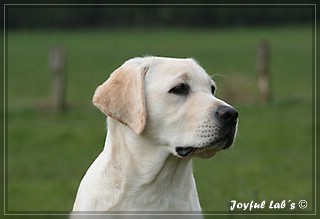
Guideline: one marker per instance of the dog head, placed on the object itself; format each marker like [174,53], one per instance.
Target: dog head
[170,101]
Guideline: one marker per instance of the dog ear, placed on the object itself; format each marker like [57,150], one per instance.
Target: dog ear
[122,97]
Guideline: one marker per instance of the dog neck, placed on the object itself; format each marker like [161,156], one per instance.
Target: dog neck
[137,166]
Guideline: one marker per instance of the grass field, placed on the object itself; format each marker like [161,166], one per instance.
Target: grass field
[48,153]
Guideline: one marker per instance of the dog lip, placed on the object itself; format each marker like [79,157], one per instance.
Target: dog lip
[187,151]
[228,144]
[184,151]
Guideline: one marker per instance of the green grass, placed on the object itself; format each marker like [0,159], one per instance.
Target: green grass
[48,153]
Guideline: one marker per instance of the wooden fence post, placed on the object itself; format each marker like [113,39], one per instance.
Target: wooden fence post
[263,69]
[57,60]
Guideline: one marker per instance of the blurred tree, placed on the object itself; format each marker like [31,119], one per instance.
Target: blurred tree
[39,16]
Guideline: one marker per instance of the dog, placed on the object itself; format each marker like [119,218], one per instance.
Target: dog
[161,113]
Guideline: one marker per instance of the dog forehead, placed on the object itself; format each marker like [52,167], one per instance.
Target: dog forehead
[175,69]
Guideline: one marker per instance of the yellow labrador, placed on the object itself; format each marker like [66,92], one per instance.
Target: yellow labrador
[161,113]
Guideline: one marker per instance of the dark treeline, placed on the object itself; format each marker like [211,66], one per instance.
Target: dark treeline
[37,16]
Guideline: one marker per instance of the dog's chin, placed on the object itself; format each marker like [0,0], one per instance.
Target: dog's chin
[206,151]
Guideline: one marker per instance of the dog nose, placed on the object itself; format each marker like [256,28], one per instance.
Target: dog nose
[227,114]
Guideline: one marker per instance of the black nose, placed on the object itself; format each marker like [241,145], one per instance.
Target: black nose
[227,114]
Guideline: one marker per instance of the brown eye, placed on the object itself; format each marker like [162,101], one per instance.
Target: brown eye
[213,89]
[180,89]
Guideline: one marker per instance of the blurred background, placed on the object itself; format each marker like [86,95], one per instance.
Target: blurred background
[261,58]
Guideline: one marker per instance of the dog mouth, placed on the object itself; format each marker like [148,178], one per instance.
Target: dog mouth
[205,151]
[185,151]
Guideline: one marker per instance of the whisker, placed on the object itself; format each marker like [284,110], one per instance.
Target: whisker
[219,75]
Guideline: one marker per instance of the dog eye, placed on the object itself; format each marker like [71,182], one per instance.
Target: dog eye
[180,89]
[213,89]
